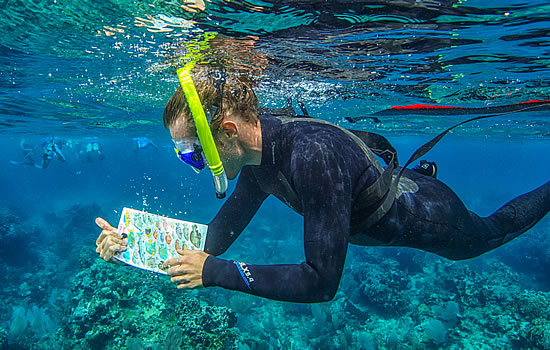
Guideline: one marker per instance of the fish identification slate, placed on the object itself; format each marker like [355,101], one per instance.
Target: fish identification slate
[153,239]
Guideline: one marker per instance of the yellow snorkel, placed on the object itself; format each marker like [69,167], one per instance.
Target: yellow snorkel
[203,131]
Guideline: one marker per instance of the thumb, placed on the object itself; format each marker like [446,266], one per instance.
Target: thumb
[104,225]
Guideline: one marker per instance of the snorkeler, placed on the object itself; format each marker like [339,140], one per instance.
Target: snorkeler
[143,143]
[93,147]
[329,176]
[51,148]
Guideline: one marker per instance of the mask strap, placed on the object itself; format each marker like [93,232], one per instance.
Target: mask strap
[220,86]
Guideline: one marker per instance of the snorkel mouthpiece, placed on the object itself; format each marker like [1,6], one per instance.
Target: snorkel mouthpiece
[203,131]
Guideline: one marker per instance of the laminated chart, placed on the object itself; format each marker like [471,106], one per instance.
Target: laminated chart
[153,239]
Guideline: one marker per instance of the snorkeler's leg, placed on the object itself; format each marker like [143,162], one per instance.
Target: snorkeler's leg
[434,219]
[45,163]
[518,215]
[483,234]
[60,155]
[28,162]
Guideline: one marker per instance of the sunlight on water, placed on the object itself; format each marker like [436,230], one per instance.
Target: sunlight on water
[96,61]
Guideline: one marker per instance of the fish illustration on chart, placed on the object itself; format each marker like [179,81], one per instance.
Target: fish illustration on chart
[195,236]
[153,239]
[185,232]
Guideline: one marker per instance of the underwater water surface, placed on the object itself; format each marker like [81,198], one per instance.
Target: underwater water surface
[96,75]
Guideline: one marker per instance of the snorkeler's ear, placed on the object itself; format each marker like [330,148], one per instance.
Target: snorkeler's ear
[229,129]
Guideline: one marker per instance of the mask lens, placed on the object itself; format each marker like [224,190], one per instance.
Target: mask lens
[189,151]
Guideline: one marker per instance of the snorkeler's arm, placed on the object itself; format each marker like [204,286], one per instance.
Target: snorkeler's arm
[327,215]
[235,214]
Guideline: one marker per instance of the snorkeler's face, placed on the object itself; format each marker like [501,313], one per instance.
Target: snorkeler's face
[181,129]
[226,140]
[230,149]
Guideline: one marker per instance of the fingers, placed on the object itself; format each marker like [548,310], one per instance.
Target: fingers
[107,230]
[109,244]
[183,258]
[105,235]
[186,270]
[178,264]
[191,285]
[173,262]
[178,268]
[104,225]
[110,250]
[186,281]
[102,236]
[110,241]
[180,279]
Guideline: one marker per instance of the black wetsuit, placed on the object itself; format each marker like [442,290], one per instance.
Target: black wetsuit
[326,170]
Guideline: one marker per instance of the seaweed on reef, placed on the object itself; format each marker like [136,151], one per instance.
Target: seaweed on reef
[119,307]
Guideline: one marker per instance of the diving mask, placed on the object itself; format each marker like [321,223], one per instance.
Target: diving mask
[189,151]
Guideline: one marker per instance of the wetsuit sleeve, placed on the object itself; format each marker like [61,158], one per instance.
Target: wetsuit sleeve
[324,187]
[235,214]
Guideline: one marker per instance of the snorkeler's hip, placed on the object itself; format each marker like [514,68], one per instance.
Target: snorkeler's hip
[422,206]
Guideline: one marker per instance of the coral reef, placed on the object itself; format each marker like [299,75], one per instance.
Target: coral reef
[389,298]
[114,307]
[3,339]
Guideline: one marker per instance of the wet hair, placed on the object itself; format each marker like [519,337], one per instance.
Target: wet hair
[231,92]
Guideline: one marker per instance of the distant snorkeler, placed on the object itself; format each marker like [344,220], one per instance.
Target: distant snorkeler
[143,143]
[92,148]
[327,174]
[51,148]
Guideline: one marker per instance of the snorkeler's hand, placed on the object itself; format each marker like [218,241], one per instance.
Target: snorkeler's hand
[109,241]
[186,269]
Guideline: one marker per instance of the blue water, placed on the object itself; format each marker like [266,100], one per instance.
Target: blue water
[76,70]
